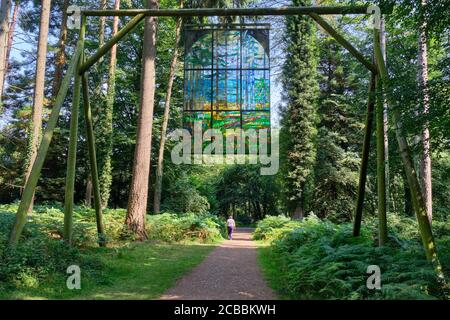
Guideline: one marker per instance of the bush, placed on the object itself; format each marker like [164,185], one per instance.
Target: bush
[171,227]
[273,227]
[40,253]
[321,260]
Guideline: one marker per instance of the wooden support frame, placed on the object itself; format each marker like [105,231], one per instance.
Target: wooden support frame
[425,230]
[93,159]
[106,47]
[343,42]
[79,67]
[72,152]
[227,12]
[31,184]
[365,157]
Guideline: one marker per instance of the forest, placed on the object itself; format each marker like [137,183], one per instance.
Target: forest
[135,222]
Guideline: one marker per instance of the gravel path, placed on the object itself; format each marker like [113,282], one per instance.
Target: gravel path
[229,272]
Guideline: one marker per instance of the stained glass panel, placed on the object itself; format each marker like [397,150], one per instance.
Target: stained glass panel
[199,55]
[226,120]
[255,90]
[227,78]
[203,118]
[226,93]
[254,55]
[227,49]
[255,120]
[197,90]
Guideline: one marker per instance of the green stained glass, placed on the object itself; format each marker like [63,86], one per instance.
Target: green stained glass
[226,120]
[255,120]
[203,118]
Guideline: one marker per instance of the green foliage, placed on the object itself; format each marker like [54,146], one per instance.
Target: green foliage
[321,260]
[42,252]
[271,227]
[242,191]
[299,120]
[171,227]
[183,196]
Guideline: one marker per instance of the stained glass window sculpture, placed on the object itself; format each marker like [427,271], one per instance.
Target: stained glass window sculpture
[227,77]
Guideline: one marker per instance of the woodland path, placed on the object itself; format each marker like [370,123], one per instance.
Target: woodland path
[229,272]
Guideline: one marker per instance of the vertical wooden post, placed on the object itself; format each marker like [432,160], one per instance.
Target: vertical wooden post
[93,160]
[381,174]
[72,153]
[47,136]
[365,157]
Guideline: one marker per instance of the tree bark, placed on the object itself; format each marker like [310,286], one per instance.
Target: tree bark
[12,27]
[408,203]
[160,165]
[61,53]
[137,201]
[425,161]
[101,31]
[4,29]
[88,194]
[381,174]
[385,118]
[38,99]
[106,170]
[298,213]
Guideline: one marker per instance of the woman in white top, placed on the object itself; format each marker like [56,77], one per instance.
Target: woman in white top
[231,225]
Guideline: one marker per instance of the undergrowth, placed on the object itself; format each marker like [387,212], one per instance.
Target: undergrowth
[316,259]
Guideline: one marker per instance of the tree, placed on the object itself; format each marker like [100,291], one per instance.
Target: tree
[425,161]
[105,140]
[61,53]
[137,201]
[160,165]
[4,29]
[38,98]
[300,118]
[337,162]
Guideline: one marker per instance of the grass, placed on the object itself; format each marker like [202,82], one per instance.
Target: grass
[135,271]
[269,264]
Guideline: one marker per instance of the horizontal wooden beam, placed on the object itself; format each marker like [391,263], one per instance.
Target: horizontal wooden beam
[224,12]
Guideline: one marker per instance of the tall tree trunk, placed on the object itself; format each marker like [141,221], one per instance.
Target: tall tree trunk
[4,29]
[137,201]
[409,210]
[38,100]
[101,31]
[160,165]
[385,118]
[298,213]
[107,118]
[425,161]
[12,27]
[88,194]
[61,53]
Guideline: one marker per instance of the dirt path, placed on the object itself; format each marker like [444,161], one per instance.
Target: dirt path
[229,272]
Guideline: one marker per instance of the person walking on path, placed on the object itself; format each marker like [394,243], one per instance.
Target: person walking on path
[231,225]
